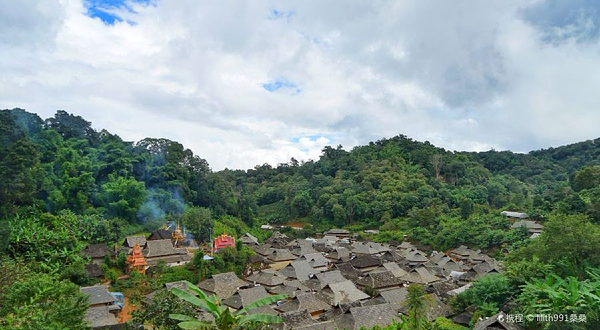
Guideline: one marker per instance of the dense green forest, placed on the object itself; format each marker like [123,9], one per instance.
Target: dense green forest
[64,185]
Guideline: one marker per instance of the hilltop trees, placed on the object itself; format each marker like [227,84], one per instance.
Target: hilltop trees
[199,221]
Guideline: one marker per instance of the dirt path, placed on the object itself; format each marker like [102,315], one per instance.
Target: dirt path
[125,314]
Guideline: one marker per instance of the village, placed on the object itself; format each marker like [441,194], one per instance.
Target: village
[335,281]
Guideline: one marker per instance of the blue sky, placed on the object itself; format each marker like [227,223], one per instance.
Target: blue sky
[282,85]
[105,9]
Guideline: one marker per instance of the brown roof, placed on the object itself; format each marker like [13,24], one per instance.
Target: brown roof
[160,234]
[94,270]
[348,271]
[99,250]
[365,261]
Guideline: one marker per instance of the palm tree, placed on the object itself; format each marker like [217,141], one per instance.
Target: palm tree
[224,319]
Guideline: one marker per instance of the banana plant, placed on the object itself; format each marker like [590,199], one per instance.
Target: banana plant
[223,318]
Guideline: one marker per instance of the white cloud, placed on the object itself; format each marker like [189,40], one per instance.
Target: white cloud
[466,75]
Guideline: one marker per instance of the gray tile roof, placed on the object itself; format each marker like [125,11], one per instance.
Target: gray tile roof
[370,316]
[263,249]
[299,269]
[339,253]
[326,278]
[130,241]
[348,271]
[309,301]
[297,318]
[223,285]
[380,280]
[420,275]
[98,294]
[234,301]
[327,325]
[99,316]
[395,297]
[333,232]
[281,255]
[253,294]
[248,238]
[316,259]
[395,269]
[304,249]
[266,277]
[159,248]
[343,292]
[94,251]
[511,214]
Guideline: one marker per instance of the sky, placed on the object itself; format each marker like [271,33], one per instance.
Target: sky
[243,83]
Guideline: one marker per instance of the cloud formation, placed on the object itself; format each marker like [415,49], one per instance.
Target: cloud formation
[246,83]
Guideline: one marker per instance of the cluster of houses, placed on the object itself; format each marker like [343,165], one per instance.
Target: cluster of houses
[336,282]
[332,282]
[520,220]
[169,247]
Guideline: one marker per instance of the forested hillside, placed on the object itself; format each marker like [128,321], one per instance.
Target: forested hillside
[64,185]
